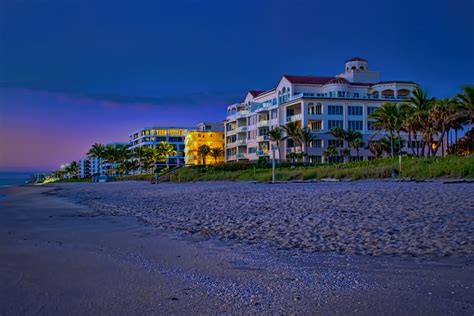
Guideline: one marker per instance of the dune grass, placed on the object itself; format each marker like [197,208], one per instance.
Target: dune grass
[413,168]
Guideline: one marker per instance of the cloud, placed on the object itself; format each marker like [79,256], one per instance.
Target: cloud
[209,98]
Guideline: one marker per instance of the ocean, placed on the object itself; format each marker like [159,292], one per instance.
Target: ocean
[14,178]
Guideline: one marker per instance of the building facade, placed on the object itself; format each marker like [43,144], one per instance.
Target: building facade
[152,136]
[317,103]
[195,139]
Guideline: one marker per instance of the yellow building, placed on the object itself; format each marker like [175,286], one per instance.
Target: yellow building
[194,139]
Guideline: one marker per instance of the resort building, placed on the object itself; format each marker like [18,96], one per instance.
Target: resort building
[152,136]
[195,139]
[317,103]
[105,166]
[90,166]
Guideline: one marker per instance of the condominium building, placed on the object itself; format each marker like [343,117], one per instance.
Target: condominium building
[90,166]
[152,136]
[195,139]
[317,103]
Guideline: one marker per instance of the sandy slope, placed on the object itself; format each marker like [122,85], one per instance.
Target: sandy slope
[58,257]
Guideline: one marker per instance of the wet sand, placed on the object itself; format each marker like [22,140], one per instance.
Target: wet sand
[61,257]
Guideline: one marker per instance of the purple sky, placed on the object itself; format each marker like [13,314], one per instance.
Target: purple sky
[73,74]
[40,130]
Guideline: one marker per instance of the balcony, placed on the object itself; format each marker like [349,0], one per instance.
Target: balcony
[263,123]
[241,129]
[241,142]
[230,145]
[262,138]
[293,118]
[262,153]
[240,156]
[316,130]
[360,96]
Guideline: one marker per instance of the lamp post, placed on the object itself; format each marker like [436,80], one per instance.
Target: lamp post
[273,164]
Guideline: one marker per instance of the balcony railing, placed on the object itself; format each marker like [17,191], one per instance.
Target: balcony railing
[240,156]
[262,138]
[241,129]
[293,118]
[262,152]
[315,130]
[263,123]
[242,142]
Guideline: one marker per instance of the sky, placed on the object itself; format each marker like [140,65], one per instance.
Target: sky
[78,72]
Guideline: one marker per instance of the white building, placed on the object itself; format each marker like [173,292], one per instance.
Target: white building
[318,103]
[152,136]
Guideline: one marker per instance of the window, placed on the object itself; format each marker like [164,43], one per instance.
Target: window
[338,143]
[274,114]
[176,139]
[316,159]
[252,150]
[160,139]
[335,123]
[316,143]
[252,134]
[318,109]
[316,126]
[311,108]
[414,144]
[371,109]
[354,110]
[335,109]
[290,143]
[370,126]
[355,125]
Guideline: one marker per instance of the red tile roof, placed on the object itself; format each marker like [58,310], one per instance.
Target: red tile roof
[308,79]
[256,93]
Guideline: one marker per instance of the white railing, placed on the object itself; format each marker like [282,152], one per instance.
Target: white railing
[263,123]
[241,129]
[242,142]
[240,156]
[293,118]
[262,138]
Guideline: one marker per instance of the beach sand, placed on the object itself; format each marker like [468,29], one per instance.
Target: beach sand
[237,248]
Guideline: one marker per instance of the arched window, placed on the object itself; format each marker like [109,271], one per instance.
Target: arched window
[311,108]
[361,67]
[354,68]
[403,92]
[388,93]
[284,90]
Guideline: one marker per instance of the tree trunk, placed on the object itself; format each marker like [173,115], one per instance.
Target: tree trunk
[392,148]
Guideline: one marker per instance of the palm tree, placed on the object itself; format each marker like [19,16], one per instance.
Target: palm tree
[139,153]
[389,117]
[306,138]
[111,155]
[96,150]
[203,151]
[331,151]
[466,99]
[276,136]
[340,134]
[354,139]
[216,152]
[293,132]
[71,169]
[166,150]
[442,114]
[417,114]
[376,148]
[357,144]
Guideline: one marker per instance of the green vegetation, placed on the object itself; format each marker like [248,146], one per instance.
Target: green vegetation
[451,167]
